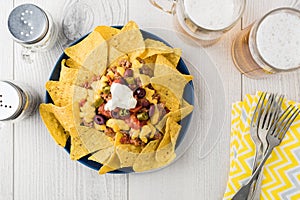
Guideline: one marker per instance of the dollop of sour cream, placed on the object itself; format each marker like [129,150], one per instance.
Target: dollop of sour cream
[122,97]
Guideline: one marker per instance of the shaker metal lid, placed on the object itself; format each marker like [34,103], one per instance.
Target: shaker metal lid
[28,23]
[10,101]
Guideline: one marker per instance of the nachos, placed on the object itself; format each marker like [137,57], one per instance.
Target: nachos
[119,99]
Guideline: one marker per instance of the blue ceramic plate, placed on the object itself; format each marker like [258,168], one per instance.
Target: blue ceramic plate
[188,96]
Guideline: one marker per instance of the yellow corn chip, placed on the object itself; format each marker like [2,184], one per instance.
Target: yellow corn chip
[171,100]
[77,150]
[129,40]
[54,127]
[154,47]
[173,82]
[146,159]
[91,53]
[127,154]
[72,64]
[130,26]
[107,31]
[93,139]
[102,155]
[74,76]
[61,93]
[112,164]
[174,57]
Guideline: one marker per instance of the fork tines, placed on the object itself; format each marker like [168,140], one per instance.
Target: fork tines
[284,122]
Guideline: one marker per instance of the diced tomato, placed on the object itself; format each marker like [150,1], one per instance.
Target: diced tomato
[110,81]
[136,142]
[136,109]
[134,123]
[125,139]
[104,112]
[119,80]
[109,132]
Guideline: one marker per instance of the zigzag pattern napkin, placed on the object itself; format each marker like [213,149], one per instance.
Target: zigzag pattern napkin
[282,170]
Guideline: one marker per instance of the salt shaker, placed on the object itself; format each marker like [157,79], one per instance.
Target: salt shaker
[16,101]
[33,28]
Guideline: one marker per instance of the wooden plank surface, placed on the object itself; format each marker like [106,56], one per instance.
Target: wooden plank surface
[32,166]
[6,133]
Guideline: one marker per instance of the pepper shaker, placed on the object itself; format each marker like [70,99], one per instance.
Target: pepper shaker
[33,28]
[16,101]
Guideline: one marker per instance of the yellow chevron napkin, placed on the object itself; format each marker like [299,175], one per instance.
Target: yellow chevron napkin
[281,171]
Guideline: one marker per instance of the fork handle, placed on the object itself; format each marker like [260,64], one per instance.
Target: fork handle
[255,193]
[255,186]
[243,193]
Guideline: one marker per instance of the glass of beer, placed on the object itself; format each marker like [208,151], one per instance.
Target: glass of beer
[204,19]
[270,45]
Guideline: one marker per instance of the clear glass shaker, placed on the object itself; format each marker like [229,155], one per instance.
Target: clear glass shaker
[33,28]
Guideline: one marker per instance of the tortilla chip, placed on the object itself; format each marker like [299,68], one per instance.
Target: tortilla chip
[77,150]
[129,40]
[64,94]
[127,154]
[173,129]
[130,26]
[64,115]
[67,75]
[145,80]
[166,149]
[188,78]
[112,164]
[72,64]
[180,114]
[90,96]
[161,70]
[146,159]
[93,139]
[174,57]
[54,127]
[173,82]
[176,115]
[171,100]
[61,93]
[102,155]
[164,152]
[114,56]
[107,31]
[74,76]
[91,53]
[164,62]
[150,59]
[164,67]
[154,47]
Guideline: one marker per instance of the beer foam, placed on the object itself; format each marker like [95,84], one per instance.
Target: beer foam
[278,40]
[211,14]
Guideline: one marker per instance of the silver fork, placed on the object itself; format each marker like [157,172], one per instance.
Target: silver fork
[254,129]
[274,137]
[263,113]
[271,113]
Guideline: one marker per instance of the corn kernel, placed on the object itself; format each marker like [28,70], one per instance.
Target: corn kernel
[121,70]
[110,74]
[104,79]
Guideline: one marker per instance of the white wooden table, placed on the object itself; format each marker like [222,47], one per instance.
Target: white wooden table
[33,167]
